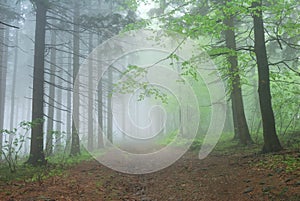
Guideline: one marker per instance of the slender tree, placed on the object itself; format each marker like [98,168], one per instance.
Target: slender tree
[100,105]
[69,102]
[75,146]
[14,80]
[109,106]
[2,82]
[58,135]
[239,119]
[90,97]
[49,136]
[271,141]
[37,156]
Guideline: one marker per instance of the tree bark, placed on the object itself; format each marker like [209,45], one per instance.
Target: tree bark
[13,90]
[36,156]
[90,97]
[271,141]
[49,136]
[100,103]
[69,104]
[58,136]
[4,76]
[239,119]
[109,106]
[2,82]
[75,144]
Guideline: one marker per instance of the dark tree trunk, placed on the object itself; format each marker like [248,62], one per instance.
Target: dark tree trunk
[271,141]
[36,156]
[49,136]
[239,119]
[75,144]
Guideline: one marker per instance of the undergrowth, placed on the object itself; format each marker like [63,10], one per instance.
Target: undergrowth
[56,165]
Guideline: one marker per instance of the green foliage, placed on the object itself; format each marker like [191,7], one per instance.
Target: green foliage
[12,147]
[64,160]
[284,162]
[291,140]
[285,89]
[168,138]
[139,24]
[131,80]
[225,145]
[56,165]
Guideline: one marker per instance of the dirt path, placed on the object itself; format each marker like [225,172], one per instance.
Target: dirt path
[217,177]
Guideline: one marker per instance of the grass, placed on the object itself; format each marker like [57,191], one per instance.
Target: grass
[288,162]
[56,165]
[226,144]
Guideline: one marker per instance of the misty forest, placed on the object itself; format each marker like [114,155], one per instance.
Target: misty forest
[149,100]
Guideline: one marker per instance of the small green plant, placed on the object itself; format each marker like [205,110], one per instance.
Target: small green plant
[168,138]
[12,147]
[286,162]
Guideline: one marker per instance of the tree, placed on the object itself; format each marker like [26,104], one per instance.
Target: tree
[37,156]
[271,141]
[90,97]
[13,91]
[2,81]
[6,14]
[239,119]
[75,146]
[49,135]
[58,135]
[100,107]
[69,102]
[109,106]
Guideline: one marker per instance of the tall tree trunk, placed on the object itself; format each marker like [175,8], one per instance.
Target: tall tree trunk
[90,97]
[58,135]
[49,136]
[100,105]
[239,118]
[69,103]
[100,116]
[2,81]
[37,156]
[13,90]
[28,117]
[109,106]
[271,141]
[75,145]
[4,75]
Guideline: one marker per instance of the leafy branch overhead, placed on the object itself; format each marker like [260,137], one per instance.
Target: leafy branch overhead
[135,78]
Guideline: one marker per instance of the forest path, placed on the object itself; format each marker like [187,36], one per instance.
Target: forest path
[218,177]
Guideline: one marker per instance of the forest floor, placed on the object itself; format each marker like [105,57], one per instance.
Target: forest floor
[218,177]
